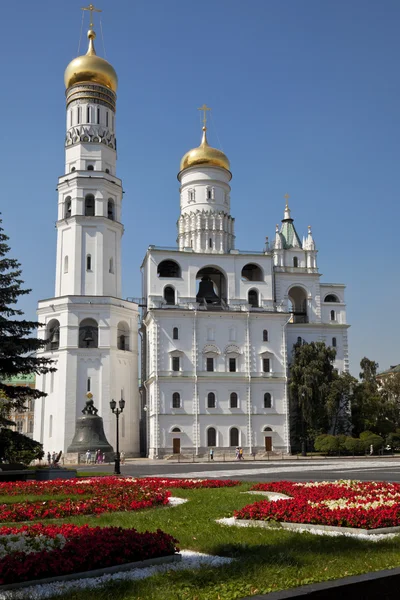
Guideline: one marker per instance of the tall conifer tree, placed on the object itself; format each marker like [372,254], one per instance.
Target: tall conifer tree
[18,345]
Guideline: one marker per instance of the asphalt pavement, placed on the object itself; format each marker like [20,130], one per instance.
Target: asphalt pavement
[317,469]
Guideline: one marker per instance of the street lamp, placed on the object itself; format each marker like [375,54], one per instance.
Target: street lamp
[117,412]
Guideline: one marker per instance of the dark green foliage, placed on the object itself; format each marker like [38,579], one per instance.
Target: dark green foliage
[15,447]
[18,345]
[354,445]
[393,441]
[311,376]
[368,439]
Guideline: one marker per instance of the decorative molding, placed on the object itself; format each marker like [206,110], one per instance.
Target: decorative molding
[96,134]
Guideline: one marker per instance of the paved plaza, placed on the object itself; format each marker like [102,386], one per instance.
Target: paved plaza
[366,469]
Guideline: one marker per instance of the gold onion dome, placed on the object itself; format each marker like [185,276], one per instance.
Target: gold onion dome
[205,155]
[91,68]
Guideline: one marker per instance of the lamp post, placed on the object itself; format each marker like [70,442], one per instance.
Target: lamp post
[117,412]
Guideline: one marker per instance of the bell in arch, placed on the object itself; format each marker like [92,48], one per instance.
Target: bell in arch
[206,291]
[89,431]
[88,339]
[55,336]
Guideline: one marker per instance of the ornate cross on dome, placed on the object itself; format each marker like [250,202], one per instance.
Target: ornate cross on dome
[286,196]
[204,108]
[92,9]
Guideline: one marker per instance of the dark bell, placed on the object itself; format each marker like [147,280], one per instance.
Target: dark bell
[89,432]
[55,338]
[88,336]
[206,291]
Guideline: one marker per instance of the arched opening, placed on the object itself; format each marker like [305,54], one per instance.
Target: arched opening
[176,400]
[168,268]
[267,400]
[265,335]
[295,261]
[72,169]
[89,205]
[211,400]
[176,430]
[234,437]
[234,400]
[123,336]
[175,333]
[252,272]
[299,340]
[88,262]
[211,287]
[53,335]
[331,298]
[333,315]
[110,210]
[67,207]
[211,437]
[111,265]
[252,298]
[90,167]
[334,342]
[298,304]
[267,428]
[88,334]
[169,295]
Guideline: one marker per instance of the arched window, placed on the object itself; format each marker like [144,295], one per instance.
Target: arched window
[253,298]
[334,343]
[110,210]
[53,335]
[176,430]
[175,333]
[267,428]
[211,400]
[88,334]
[89,205]
[234,400]
[111,266]
[211,286]
[67,207]
[88,262]
[210,245]
[331,298]
[168,268]
[176,400]
[123,336]
[298,304]
[252,272]
[267,400]
[234,437]
[89,385]
[211,437]
[65,264]
[299,340]
[107,171]
[265,335]
[88,114]
[90,168]
[295,261]
[98,116]
[333,315]
[169,295]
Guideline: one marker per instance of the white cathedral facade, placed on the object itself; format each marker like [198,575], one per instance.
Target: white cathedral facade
[217,324]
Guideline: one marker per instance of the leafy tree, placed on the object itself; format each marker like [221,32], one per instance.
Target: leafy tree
[311,375]
[393,441]
[354,445]
[368,439]
[390,393]
[16,447]
[338,402]
[17,345]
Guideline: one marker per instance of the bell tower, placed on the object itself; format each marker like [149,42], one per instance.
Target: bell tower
[92,331]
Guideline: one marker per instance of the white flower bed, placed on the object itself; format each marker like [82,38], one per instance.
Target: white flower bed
[190,560]
[23,543]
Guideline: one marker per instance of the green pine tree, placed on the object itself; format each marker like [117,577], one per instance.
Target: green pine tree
[18,345]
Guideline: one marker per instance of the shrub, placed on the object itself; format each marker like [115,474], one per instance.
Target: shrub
[354,445]
[16,447]
[368,438]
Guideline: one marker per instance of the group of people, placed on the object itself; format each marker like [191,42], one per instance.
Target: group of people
[97,457]
[53,458]
[239,453]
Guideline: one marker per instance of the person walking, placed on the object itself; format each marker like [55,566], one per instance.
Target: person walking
[237,457]
[371,449]
[49,458]
[53,458]
[88,457]
[122,457]
[211,454]
[240,453]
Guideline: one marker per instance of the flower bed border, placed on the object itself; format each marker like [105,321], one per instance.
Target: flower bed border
[95,573]
[313,527]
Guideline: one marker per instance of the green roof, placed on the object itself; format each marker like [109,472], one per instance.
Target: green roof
[288,231]
[393,369]
[21,380]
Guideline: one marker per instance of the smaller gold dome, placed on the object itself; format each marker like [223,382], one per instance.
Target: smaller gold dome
[91,68]
[205,155]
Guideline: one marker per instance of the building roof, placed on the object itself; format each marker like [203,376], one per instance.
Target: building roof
[21,380]
[393,369]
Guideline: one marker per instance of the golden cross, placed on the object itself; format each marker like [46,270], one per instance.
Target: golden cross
[286,196]
[92,9]
[204,108]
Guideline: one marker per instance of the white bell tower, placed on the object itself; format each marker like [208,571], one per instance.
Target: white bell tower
[92,332]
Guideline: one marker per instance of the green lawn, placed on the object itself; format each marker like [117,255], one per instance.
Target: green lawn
[266,560]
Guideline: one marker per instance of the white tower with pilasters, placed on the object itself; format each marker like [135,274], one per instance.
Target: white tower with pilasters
[92,332]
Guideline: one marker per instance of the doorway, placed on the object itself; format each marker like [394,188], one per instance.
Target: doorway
[268,443]
[176,445]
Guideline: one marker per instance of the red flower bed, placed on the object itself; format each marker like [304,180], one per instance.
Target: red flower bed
[363,505]
[86,549]
[105,494]
[102,494]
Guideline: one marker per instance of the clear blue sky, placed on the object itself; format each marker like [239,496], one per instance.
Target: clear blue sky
[305,97]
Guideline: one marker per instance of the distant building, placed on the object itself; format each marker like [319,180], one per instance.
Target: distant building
[24,419]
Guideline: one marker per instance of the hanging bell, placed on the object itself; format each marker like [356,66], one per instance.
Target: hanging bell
[55,336]
[88,336]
